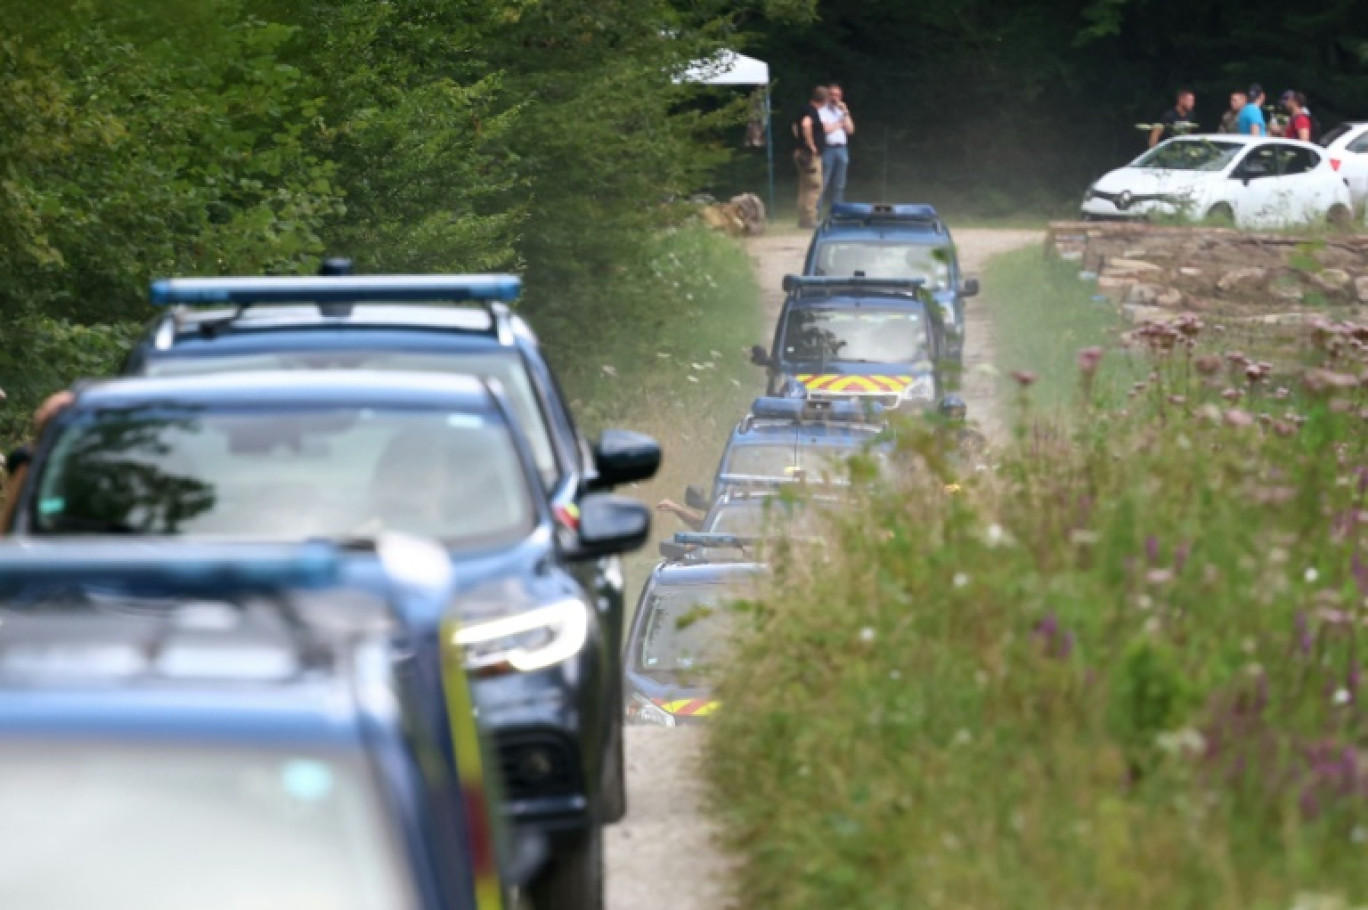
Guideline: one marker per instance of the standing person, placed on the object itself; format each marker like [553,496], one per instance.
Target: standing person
[1298,120]
[807,158]
[1168,125]
[838,126]
[1251,120]
[1230,120]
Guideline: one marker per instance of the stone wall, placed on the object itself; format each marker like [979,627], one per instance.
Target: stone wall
[1155,272]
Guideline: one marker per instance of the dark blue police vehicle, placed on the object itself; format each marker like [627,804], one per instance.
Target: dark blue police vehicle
[878,240]
[220,726]
[351,456]
[417,323]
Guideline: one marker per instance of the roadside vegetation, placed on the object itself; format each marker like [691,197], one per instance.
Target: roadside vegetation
[1122,668]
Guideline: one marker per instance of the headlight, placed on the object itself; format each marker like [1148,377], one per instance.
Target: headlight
[922,388]
[641,711]
[525,641]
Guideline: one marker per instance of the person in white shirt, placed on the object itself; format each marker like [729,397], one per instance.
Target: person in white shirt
[839,127]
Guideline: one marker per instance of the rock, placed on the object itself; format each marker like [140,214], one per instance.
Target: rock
[1331,279]
[1237,279]
[1154,295]
[1361,288]
[1188,271]
[752,212]
[1138,313]
[1133,266]
[1285,291]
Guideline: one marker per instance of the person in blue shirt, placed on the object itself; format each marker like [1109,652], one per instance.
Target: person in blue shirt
[1251,120]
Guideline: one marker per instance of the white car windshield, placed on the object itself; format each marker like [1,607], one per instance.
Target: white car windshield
[928,262]
[686,628]
[287,474]
[820,335]
[225,828]
[1190,155]
[505,366]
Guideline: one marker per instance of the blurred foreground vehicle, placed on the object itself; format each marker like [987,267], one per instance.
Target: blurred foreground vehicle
[679,633]
[416,323]
[877,240]
[880,341]
[350,457]
[228,726]
[1250,181]
[1347,148]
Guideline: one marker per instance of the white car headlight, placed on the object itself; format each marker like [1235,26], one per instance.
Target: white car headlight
[922,388]
[641,711]
[527,641]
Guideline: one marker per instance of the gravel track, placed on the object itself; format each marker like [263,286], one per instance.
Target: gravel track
[662,856]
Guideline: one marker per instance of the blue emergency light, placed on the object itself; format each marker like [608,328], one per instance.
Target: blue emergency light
[181,566]
[829,283]
[806,409]
[246,291]
[883,211]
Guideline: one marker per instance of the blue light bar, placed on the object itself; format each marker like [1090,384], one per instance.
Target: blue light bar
[832,282]
[806,409]
[244,291]
[719,541]
[189,567]
[882,211]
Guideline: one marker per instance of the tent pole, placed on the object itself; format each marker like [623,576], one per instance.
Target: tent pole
[769,149]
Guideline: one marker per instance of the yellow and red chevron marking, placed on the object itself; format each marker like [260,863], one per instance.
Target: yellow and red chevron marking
[690,707]
[853,383]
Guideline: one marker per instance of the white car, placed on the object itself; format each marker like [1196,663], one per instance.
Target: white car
[1254,181]
[1347,148]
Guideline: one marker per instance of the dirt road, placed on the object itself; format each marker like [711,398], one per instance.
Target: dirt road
[661,857]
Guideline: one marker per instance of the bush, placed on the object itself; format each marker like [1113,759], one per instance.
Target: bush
[1121,670]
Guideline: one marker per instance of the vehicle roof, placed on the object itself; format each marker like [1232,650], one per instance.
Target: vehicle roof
[671,574]
[292,386]
[1239,139]
[912,233]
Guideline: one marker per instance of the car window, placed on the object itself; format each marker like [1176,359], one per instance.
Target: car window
[816,336]
[1261,162]
[787,461]
[504,365]
[1334,134]
[1293,160]
[1359,145]
[686,629]
[288,473]
[166,828]
[886,260]
[1190,155]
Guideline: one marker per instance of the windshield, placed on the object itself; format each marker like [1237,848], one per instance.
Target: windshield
[818,336]
[686,627]
[787,461]
[1190,155]
[123,828]
[887,260]
[763,517]
[287,474]
[505,366]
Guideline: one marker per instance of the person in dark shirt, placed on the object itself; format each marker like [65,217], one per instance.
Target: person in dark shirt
[807,157]
[16,463]
[1168,125]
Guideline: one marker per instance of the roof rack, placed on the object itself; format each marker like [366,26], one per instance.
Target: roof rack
[868,213]
[335,294]
[848,412]
[831,284]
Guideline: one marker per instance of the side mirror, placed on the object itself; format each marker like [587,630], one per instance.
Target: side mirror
[759,356]
[971,288]
[611,525]
[695,498]
[623,456]
[952,407]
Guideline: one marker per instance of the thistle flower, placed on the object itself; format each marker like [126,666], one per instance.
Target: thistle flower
[1208,364]
[1024,378]
[1238,418]
[1088,360]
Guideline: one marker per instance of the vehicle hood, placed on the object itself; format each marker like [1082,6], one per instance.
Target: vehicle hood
[849,378]
[685,703]
[1147,181]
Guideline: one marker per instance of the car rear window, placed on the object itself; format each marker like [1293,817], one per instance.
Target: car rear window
[287,474]
[506,366]
[122,827]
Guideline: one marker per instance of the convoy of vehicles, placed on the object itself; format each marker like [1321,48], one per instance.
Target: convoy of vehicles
[333,558]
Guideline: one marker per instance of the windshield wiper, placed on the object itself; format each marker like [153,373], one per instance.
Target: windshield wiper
[88,523]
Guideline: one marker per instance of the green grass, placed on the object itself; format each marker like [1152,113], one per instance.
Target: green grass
[673,364]
[1044,320]
[1120,670]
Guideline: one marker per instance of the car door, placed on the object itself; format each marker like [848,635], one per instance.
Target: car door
[1306,189]
[1254,196]
[1353,167]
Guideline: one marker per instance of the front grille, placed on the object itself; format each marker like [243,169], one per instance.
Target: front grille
[537,764]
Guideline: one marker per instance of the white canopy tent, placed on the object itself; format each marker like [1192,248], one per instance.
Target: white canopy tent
[731,68]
